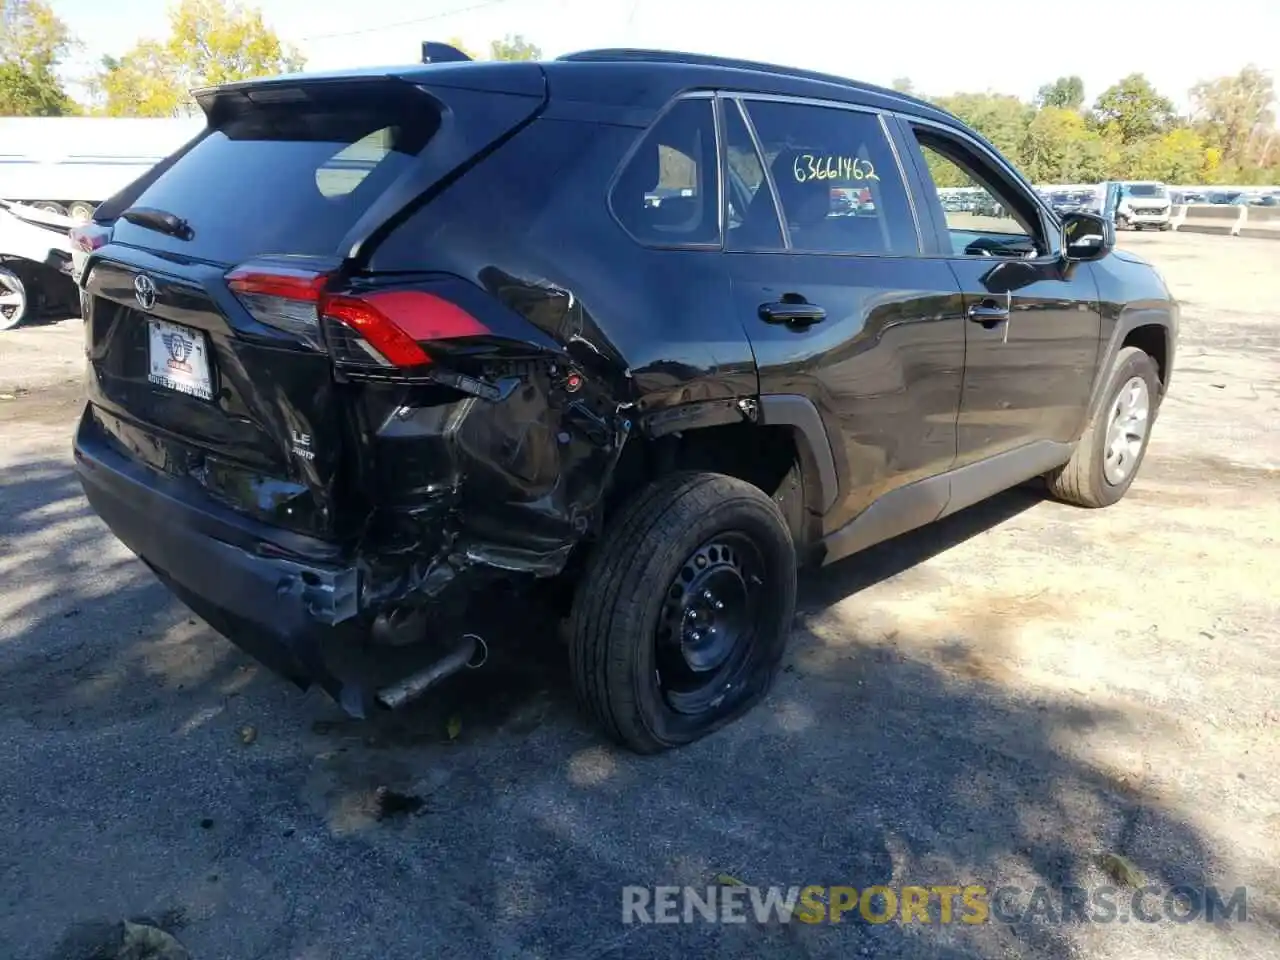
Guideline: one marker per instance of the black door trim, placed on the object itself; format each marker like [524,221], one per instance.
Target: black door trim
[932,498]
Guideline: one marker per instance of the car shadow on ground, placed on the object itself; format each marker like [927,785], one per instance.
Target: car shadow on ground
[869,764]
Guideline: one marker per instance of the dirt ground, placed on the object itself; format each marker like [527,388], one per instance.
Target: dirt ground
[1000,699]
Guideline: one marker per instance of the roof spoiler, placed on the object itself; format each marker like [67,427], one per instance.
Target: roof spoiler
[441,53]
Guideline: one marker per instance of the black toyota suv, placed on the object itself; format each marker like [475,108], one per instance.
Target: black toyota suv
[378,350]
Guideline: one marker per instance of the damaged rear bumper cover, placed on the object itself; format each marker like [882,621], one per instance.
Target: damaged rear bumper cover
[277,609]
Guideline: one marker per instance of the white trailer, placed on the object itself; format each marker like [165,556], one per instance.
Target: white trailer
[68,165]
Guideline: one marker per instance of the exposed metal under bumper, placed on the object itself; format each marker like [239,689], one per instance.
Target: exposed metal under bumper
[410,688]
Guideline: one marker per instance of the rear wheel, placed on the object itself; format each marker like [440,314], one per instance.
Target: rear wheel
[1107,458]
[682,615]
[81,211]
[48,206]
[13,299]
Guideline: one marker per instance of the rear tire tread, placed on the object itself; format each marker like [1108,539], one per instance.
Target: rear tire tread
[617,587]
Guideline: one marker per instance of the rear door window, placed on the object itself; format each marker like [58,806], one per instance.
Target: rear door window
[836,177]
[667,192]
[287,177]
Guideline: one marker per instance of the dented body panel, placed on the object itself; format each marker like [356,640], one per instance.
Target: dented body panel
[378,502]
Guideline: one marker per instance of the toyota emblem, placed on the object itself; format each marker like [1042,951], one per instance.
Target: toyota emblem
[144,291]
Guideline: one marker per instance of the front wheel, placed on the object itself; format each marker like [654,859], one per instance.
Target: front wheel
[1107,458]
[13,299]
[682,615]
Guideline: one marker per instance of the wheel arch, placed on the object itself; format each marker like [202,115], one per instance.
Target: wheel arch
[1152,329]
[775,442]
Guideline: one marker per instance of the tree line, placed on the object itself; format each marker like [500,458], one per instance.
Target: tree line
[208,42]
[1130,132]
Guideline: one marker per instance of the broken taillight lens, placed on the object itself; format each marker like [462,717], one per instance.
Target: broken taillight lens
[376,329]
[89,237]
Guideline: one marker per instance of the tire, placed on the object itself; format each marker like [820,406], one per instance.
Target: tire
[81,211]
[1164,227]
[49,206]
[15,302]
[1088,480]
[679,535]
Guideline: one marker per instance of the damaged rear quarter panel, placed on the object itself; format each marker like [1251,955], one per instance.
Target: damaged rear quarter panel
[514,484]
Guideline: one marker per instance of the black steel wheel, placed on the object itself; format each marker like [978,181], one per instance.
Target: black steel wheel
[682,614]
[708,622]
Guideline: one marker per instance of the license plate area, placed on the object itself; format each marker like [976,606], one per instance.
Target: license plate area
[179,359]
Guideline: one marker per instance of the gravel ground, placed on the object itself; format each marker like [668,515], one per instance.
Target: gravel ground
[999,699]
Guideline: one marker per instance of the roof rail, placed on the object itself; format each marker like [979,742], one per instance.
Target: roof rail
[626,54]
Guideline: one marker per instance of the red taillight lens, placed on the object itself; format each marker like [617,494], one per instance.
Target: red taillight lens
[89,237]
[299,285]
[380,329]
[283,298]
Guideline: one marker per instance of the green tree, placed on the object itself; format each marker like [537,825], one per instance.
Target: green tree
[1001,118]
[33,43]
[1174,157]
[1059,147]
[514,47]
[1236,114]
[1132,110]
[1066,93]
[457,44]
[904,85]
[210,42]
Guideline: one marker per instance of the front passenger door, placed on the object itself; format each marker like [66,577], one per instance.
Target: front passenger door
[1033,322]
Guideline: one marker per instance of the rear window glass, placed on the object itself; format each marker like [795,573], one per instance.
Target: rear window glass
[286,178]
[667,192]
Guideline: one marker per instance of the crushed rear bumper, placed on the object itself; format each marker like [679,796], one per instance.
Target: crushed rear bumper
[279,605]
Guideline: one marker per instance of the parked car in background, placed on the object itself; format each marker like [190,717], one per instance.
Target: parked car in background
[36,266]
[358,375]
[1144,204]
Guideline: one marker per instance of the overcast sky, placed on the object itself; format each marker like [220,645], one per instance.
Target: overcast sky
[942,45]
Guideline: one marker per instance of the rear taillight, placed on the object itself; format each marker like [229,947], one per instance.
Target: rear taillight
[284,298]
[89,237]
[377,329]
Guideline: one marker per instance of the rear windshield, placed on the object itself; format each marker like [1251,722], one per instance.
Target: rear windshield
[287,177]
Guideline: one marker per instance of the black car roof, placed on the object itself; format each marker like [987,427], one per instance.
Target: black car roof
[631,78]
[670,71]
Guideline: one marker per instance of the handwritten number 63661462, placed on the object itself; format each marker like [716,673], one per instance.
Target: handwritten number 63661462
[810,167]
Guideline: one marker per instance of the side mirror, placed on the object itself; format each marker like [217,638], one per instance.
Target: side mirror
[1087,236]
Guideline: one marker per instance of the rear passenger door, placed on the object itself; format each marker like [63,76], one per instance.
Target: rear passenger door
[822,244]
[1032,335]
